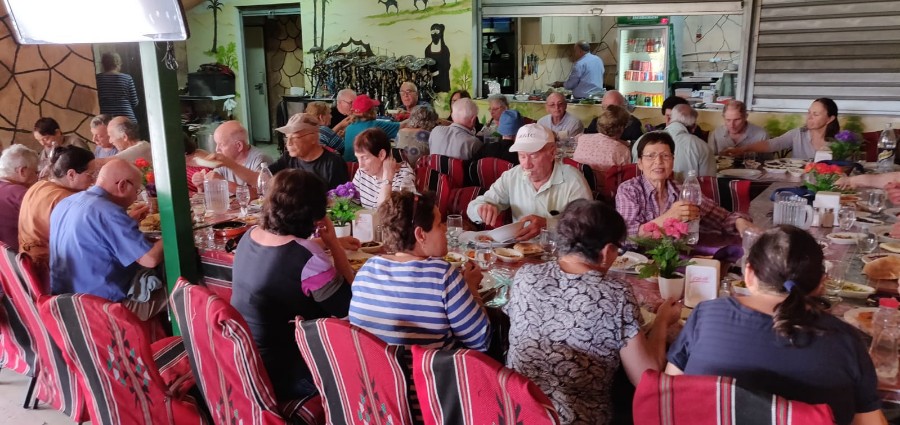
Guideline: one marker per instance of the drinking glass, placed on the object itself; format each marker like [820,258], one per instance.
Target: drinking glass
[242,193]
[548,243]
[750,160]
[867,241]
[484,255]
[835,281]
[846,217]
[875,200]
[198,207]
[454,228]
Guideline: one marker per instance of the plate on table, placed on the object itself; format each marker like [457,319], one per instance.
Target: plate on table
[469,236]
[741,173]
[856,290]
[626,262]
[357,259]
[844,238]
[868,258]
[867,219]
[892,212]
[884,234]
[861,318]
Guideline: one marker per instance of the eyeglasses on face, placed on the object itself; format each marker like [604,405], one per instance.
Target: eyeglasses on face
[662,156]
[407,91]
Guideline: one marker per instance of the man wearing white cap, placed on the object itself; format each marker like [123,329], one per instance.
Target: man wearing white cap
[536,189]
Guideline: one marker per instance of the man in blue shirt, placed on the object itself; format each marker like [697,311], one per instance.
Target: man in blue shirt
[587,73]
[96,247]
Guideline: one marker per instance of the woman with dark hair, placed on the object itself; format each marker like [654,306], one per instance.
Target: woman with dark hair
[70,172]
[654,195]
[49,135]
[279,273]
[414,296]
[572,325]
[378,174]
[115,90]
[778,339]
[821,125]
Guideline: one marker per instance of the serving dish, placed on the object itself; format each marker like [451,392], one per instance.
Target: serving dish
[627,262]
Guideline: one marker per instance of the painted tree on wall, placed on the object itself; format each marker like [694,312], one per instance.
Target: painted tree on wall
[322,40]
[315,21]
[216,7]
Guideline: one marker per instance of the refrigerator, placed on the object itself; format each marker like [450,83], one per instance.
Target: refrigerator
[644,53]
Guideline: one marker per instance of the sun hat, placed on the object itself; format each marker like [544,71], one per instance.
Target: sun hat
[531,138]
[297,124]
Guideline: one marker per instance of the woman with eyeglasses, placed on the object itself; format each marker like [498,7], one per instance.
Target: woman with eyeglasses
[655,196]
[572,325]
[414,296]
[70,172]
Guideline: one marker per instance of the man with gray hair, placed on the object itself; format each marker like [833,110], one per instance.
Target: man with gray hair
[457,140]
[125,135]
[232,149]
[557,119]
[100,136]
[737,131]
[691,152]
[587,72]
[18,171]
[340,112]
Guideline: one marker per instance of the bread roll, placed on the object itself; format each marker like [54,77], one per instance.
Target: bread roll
[528,248]
[883,268]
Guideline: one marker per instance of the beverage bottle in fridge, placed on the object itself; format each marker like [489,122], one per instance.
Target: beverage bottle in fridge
[887,145]
[691,193]
[262,182]
[884,340]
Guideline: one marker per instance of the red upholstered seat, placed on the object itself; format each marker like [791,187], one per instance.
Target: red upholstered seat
[433,181]
[615,175]
[351,169]
[227,366]
[56,385]
[359,377]
[110,351]
[740,195]
[18,350]
[588,172]
[453,167]
[486,171]
[463,387]
[709,185]
[462,197]
[715,400]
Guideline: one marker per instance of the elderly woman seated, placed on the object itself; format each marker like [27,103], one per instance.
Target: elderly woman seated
[327,137]
[572,325]
[279,273]
[378,174]
[778,339]
[605,148]
[414,296]
[654,195]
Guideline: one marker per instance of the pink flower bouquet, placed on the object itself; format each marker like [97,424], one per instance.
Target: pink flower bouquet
[664,245]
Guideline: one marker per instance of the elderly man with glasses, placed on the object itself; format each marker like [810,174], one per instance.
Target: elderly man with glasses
[409,96]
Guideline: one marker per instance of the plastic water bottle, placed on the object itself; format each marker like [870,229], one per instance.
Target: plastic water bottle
[884,340]
[691,193]
[262,182]
[887,145]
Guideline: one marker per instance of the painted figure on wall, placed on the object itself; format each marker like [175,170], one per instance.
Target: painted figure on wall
[438,51]
[387,5]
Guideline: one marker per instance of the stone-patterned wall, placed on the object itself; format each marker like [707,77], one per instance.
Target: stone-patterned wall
[56,81]
[284,58]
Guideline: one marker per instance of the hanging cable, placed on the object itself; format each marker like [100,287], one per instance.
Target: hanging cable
[169,59]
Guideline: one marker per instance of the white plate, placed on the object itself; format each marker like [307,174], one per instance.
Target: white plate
[868,258]
[867,219]
[457,258]
[892,212]
[507,232]
[844,238]
[864,291]
[852,317]
[773,170]
[884,234]
[626,262]
[468,236]
[742,173]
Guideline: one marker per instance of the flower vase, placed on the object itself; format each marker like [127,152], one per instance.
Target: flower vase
[671,288]
[341,231]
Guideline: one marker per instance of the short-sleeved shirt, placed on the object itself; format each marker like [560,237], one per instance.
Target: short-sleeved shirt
[271,285]
[369,187]
[454,141]
[105,152]
[255,157]
[11,195]
[566,334]
[353,130]
[691,153]
[720,140]
[724,337]
[34,218]
[568,123]
[328,166]
[420,302]
[600,151]
[93,246]
[797,140]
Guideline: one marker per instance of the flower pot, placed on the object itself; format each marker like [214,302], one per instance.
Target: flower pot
[341,231]
[671,288]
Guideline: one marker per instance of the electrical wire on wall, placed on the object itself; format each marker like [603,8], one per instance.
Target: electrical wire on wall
[169,59]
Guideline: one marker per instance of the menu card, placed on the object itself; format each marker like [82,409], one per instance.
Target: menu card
[701,281]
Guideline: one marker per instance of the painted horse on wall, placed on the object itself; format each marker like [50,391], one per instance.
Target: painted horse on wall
[424,2]
[387,5]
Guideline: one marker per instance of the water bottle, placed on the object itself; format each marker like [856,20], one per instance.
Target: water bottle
[884,340]
[262,182]
[887,144]
[691,193]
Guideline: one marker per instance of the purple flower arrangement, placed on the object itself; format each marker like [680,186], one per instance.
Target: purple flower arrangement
[343,204]
[845,146]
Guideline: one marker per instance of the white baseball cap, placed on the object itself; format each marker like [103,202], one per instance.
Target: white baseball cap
[531,138]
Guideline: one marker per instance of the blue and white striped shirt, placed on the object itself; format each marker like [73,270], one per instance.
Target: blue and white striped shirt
[422,302]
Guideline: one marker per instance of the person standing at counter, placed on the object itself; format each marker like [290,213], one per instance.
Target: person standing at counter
[557,119]
[587,72]
[736,132]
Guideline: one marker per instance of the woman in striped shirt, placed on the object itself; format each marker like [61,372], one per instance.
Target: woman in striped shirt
[378,174]
[414,297]
[115,90]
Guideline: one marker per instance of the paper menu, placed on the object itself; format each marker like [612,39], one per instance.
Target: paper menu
[701,281]
[365,224]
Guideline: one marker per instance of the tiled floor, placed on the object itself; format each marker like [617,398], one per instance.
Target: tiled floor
[12,395]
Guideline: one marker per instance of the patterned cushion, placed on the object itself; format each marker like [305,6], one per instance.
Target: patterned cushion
[486,171]
[110,350]
[453,167]
[716,400]
[740,195]
[462,197]
[360,378]
[462,387]
[615,175]
[229,370]
[17,350]
[428,180]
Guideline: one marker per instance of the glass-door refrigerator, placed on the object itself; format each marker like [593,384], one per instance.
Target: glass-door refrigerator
[644,54]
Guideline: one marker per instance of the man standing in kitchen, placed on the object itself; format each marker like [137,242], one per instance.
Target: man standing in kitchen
[587,72]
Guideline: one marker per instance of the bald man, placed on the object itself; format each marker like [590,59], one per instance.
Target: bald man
[236,156]
[96,247]
[633,130]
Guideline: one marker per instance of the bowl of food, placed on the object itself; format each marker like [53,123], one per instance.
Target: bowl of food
[528,248]
[371,247]
[229,229]
[796,172]
[455,258]
[508,255]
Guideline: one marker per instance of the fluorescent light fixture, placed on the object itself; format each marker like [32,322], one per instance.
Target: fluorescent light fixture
[96,21]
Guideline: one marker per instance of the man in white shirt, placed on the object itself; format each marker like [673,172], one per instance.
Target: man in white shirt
[457,140]
[557,119]
[233,149]
[736,132]
[536,189]
[691,152]
[125,135]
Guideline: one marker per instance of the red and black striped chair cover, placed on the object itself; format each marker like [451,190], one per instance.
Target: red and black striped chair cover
[227,366]
[466,387]
[360,378]
[56,385]
[588,172]
[485,171]
[740,195]
[130,381]
[18,350]
[716,400]
[454,168]
[615,175]
[462,197]
[709,186]
[434,181]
